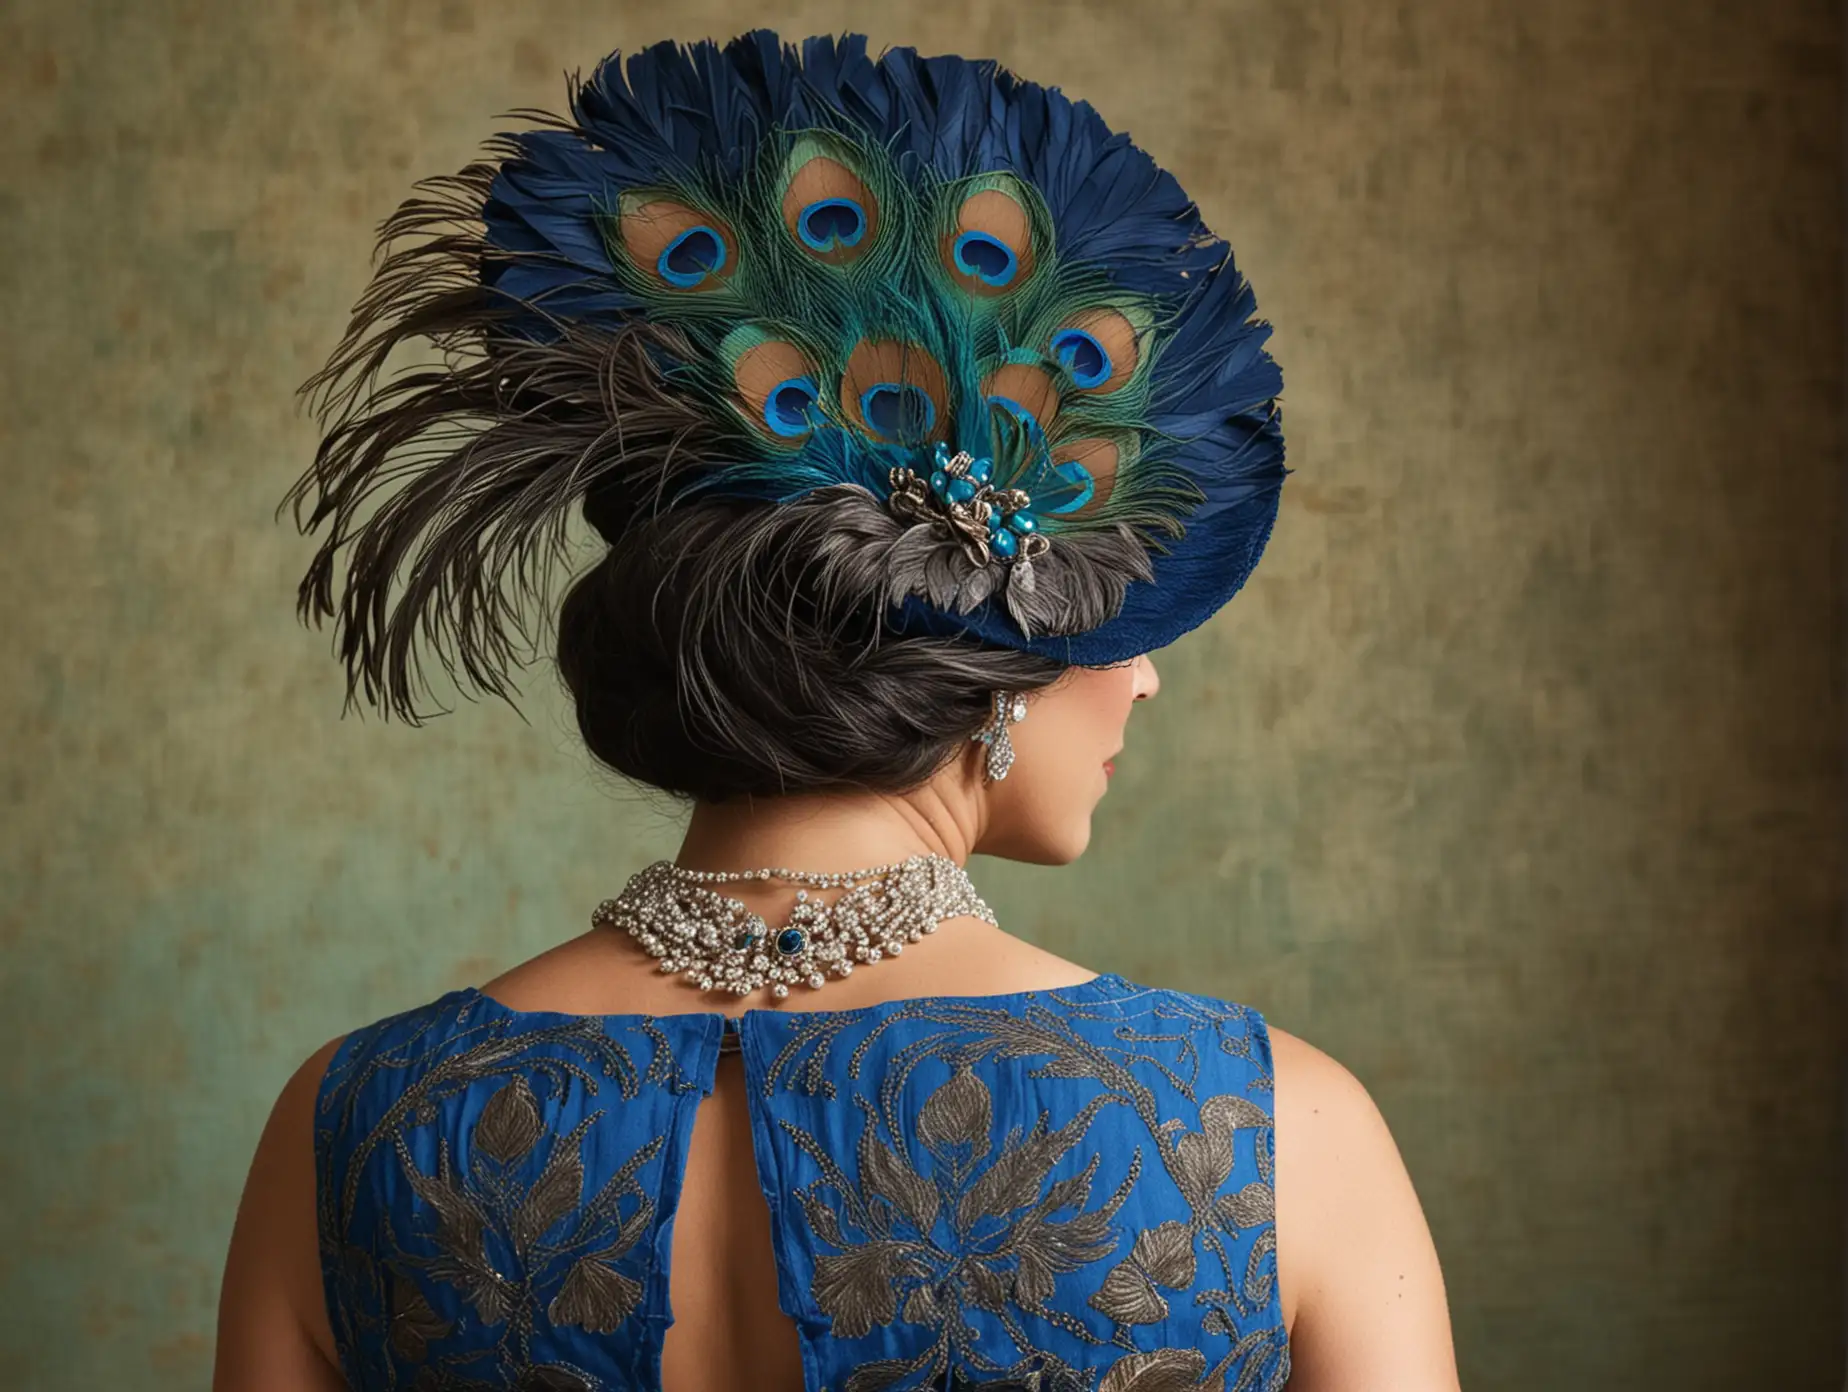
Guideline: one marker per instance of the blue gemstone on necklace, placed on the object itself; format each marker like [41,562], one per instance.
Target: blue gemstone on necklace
[790,941]
[744,939]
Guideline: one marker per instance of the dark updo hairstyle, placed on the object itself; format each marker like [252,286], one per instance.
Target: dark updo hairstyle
[721,648]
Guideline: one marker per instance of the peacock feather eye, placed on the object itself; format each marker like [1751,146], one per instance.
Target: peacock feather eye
[988,246]
[777,384]
[1098,348]
[827,207]
[1025,390]
[895,391]
[676,245]
[1083,476]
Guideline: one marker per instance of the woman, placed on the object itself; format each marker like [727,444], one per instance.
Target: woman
[915,408]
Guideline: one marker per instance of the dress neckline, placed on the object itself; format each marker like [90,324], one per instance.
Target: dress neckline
[473,996]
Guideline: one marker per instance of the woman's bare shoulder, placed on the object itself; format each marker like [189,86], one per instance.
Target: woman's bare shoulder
[1314,1080]
[273,1330]
[1363,1292]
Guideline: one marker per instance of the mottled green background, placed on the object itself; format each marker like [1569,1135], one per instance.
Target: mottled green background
[1512,780]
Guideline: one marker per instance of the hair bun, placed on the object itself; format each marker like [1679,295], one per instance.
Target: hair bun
[708,655]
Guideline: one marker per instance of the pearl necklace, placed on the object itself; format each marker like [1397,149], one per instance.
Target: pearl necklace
[724,946]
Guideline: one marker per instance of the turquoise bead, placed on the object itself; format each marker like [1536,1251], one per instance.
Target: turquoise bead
[1002,543]
[1024,522]
[961,490]
[982,470]
[939,483]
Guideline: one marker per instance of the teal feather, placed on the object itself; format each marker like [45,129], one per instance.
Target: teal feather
[898,287]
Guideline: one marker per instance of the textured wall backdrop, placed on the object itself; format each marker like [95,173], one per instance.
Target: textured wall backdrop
[1512,780]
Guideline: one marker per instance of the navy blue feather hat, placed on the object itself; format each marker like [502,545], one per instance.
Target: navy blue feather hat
[990,338]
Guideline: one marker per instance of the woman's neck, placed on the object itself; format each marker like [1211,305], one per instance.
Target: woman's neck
[826,832]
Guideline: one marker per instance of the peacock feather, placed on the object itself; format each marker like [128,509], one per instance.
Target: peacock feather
[950,306]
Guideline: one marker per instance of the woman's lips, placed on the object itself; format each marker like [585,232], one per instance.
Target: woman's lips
[1109,765]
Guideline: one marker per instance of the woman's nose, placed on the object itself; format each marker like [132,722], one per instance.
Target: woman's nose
[1148,680]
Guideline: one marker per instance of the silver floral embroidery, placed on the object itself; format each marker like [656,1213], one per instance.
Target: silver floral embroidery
[970,1228]
[933,1222]
[513,1234]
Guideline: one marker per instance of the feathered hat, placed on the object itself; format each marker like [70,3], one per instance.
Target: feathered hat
[988,336]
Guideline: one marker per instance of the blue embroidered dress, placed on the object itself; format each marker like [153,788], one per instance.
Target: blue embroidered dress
[1066,1190]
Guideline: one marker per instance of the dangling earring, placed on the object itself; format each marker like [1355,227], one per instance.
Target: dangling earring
[1010,708]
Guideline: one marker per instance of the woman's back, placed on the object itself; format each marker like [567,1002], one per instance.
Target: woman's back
[1056,1188]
